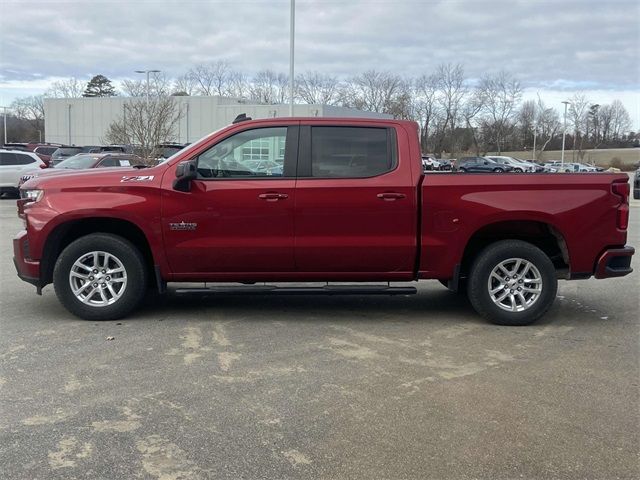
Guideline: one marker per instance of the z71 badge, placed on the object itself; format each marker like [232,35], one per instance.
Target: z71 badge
[137,178]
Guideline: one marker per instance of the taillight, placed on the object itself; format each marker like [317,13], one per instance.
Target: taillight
[622,190]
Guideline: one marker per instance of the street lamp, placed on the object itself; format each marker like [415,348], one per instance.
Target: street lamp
[147,72]
[564,130]
[292,23]
[5,124]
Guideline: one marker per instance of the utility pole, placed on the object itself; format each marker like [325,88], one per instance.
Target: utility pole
[292,20]
[564,130]
[5,123]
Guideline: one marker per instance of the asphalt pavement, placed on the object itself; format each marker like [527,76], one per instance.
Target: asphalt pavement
[320,387]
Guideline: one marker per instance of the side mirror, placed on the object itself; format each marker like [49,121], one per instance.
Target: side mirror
[185,172]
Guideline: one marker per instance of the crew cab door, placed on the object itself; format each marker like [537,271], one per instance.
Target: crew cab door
[238,215]
[356,203]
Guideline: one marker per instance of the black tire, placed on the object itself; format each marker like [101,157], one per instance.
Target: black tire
[517,170]
[131,259]
[490,258]
[462,169]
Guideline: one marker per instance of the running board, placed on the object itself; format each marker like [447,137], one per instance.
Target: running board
[273,290]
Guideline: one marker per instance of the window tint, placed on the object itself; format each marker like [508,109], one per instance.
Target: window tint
[351,152]
[21,159]
[252,153]
[109,162]
[7,158]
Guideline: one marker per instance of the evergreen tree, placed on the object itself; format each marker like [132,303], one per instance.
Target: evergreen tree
[99,86]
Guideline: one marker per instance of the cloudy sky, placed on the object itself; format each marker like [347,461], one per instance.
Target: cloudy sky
[554,47]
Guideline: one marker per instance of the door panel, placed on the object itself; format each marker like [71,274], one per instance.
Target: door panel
[238,216]
[354,224]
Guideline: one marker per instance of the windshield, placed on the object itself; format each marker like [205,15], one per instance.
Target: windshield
[66,152]
[79,161]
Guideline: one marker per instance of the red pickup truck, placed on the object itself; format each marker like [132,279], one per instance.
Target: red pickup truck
[318,200]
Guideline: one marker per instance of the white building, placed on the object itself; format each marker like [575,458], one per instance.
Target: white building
[85,121]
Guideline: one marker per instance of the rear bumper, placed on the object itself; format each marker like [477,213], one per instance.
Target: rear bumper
[615,262]
[28,270]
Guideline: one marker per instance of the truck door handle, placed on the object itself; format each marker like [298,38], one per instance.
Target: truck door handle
[273,197]
[391,196]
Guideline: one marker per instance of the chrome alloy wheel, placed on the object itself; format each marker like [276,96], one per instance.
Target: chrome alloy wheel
[98,279]
[515,285]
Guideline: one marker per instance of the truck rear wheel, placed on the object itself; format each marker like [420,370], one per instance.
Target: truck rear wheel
[100,277]
[512,283]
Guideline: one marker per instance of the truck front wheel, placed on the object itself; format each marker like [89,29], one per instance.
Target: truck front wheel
[512,283]
[100,277]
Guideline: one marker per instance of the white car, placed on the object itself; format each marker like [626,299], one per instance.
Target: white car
[518,165]
[13,163]
[429,162]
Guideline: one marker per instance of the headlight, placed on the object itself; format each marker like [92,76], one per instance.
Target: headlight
[31,196]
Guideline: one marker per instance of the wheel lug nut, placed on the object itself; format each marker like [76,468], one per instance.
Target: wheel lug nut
[91,277]
[108,278]
[95,285]
[95,271]
[520,281]
[104,285]
[506,278]
[519,288]
[104,271]
[511,291]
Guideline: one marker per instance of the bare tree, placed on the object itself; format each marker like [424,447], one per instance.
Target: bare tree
[316,88]
[620,120]
[146,124]
[579,117]
[547,126]
[159,86]
[451,92]
[425,88]
[501,95]
[184,85]
[69,88]
[373,91]
[212,78]
[269,87]
[238,85]
[29,111]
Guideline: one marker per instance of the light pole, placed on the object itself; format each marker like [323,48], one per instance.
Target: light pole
[564,130]
[5,124]
[292,23]
[147,72]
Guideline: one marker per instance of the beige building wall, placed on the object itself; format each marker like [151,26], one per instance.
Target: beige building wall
[85,121]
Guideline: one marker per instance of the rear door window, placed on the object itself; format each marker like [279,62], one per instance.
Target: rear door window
[22,159]
[351,152]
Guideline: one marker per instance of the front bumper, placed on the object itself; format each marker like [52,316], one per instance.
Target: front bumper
[28,270]
[615,262]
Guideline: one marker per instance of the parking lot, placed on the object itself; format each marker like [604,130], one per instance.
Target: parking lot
[320,387]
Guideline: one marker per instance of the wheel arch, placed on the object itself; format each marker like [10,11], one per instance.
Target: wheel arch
[65,233]
[543,235]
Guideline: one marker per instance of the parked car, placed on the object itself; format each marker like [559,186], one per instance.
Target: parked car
[352,205]
[636,184]
[45,152]
[13,163]
[166,150]
[62,153]
[429,163]
[16,146]
[517,165]
[481,164]
[84,161]
[106,148]
[446,164]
